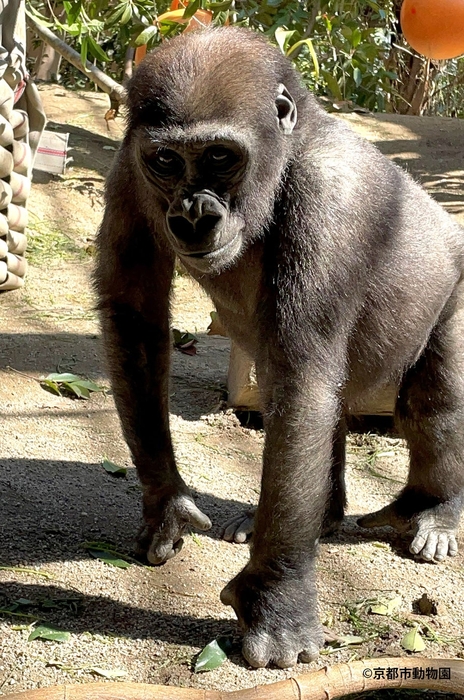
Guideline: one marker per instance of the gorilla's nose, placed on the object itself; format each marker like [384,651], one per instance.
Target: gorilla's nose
[197,219]
[201,204]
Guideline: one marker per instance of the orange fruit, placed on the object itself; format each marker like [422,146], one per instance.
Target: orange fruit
[434,28]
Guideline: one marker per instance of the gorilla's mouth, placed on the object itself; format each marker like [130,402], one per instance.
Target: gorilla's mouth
[211,255]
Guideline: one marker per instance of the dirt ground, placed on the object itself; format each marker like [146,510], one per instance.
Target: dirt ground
[150,623]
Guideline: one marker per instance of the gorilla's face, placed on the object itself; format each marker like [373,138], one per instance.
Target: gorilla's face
[215,181]
[198,186]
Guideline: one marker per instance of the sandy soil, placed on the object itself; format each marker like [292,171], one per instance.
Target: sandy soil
[55,495]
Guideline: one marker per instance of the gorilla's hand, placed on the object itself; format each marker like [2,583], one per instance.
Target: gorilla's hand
[167,517]
[278,614]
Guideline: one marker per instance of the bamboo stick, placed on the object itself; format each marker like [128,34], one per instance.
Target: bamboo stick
[324,684]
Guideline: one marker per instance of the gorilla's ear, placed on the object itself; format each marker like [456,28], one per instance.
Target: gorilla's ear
[286,110]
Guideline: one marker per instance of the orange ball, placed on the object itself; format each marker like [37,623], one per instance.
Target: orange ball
[434,28]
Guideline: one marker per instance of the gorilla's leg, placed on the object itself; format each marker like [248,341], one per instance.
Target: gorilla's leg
[240,527]
[430,413]
[336,504]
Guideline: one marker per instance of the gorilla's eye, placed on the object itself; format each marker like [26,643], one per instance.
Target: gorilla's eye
[221,159]
[166,164]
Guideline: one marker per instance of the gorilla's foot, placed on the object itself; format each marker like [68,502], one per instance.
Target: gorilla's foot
[434,528]
[435,537]
[387,516]
[278,617]
[240,527]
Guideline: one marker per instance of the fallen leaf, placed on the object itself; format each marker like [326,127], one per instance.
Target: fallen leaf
[185,342]
[109,558]
[49,632]
[413,641]
[107,672]
[113,468]
[213,655]
[69,384]
[385,606]
[110,673]
[344,640]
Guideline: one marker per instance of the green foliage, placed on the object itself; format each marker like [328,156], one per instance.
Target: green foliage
[113,469]
[108,554]
[109,558]
[213,655]
[66,384]
[349,51]
[48,632]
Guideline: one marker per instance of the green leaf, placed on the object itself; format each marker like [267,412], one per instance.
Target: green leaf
[113,468]
[62,377]
[52,387]
[191,9]
[84,50]
[332,84]
[213,655]
[283,36]
[71,29]
[109,558]
[88,384]
[107,547]
[29,572]
[73,11]
[356,38]
[357,76]
[70,383]
[11,612]
[50,632]
[95,25]
[96,51]
[183,340]
[219,6]
[40,19]
[385,606]
[310,45]
[413,641]
[75,388]
[127,14]
[145,36]
[116,15]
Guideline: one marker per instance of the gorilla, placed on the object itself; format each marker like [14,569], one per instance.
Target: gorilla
[327,264]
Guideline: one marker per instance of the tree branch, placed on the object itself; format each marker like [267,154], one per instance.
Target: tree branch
[116,91]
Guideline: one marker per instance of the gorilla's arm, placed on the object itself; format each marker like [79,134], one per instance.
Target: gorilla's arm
[133,280]
[274,596]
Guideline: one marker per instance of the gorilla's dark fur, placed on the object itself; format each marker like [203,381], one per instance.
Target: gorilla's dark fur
[327,264]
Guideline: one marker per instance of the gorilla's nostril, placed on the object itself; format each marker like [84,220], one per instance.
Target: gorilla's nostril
[197,232]
[205,224]
[181,228]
